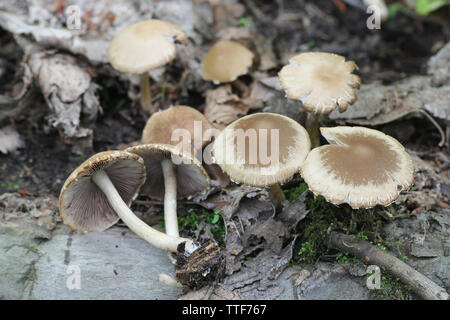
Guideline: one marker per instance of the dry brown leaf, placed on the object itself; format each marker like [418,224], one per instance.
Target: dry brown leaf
[223,106]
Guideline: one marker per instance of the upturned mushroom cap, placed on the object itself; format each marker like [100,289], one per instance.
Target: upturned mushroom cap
[362,167]
[225,61]
[322,81]
[261,149]
[161,125]
[144,46]
[83,206]
[191,177]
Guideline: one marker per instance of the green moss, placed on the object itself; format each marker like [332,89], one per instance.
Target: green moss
[324,217]
[391,288]
[307,253]
[12,184]
[27,246]
[347,257]
[196,214]
[29,276]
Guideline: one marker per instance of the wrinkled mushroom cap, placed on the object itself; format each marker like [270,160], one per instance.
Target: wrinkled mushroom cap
[144,46]
[322,81]
[162,126]
[225,61]
[83,206]
[263,159]
[191,177]
[362,167]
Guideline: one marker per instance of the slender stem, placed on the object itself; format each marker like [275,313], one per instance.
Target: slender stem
[146,93]
[170,198]
[312,126]
[152,236]
[434,122]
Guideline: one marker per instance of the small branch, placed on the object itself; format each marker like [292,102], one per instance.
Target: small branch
[369,253]
[434,122]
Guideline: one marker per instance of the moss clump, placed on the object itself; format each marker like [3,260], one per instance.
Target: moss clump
[195,215]
[324,217]
[391,288]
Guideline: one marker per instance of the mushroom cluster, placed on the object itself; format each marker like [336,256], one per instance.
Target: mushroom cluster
[361,167]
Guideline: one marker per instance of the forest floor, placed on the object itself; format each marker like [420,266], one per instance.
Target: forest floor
[408,57]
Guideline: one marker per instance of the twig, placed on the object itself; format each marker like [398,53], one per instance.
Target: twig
[369,253]
[434,122]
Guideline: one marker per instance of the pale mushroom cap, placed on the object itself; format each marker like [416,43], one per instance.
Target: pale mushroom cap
[166,127]
[322,81]
[225,61]
[144,46]
[362,167]
[83,206]
[261,149]
[192,179]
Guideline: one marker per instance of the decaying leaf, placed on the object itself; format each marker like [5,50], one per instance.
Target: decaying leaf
[223,107]
[250,213]
[228,200]
[294,212]
[218,177]
[428,187]
[70,94]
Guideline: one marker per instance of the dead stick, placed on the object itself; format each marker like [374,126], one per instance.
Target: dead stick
[369,253]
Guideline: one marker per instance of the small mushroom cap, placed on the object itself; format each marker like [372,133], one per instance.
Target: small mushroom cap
[192,179]
[322,81]
[144,46]
[83,206]
[362,167]
[161,126]
[261,149]
[225,61]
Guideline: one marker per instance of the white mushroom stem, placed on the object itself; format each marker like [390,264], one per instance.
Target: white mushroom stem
[146,93]
[152,236]
[170,198]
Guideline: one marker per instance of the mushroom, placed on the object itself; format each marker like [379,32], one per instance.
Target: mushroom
[99,191]
[142,47]
[362,167]
[175,122]
[165,179]
[322,82]
[226,61]
[242,149]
